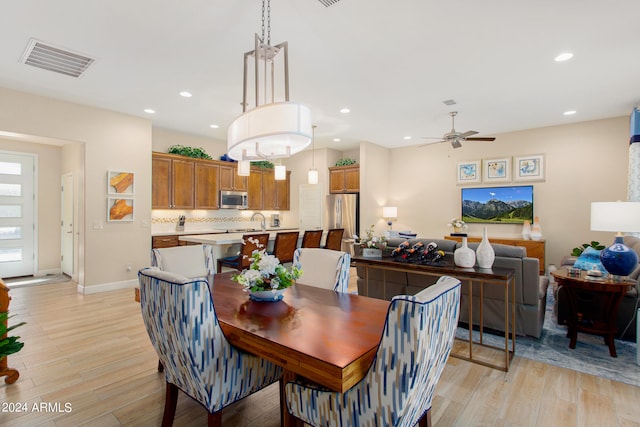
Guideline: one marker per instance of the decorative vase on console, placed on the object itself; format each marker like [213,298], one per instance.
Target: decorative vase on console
[526,230]
[485,253]
[536,230]
[464,256]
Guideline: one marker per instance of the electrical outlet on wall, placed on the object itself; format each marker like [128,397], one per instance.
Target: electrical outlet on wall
[128,267]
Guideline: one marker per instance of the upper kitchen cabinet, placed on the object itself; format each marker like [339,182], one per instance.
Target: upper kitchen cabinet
[276,194]
[344,179]
[206,184]
[172,182]
[229,179]
[256,194]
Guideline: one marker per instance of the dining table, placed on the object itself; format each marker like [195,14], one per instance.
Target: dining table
[326,337]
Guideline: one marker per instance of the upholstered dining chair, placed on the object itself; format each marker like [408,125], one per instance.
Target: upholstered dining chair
[311,239]
[285,244]
[398,388]
[334,239]
[190,261]
[181,321]
[323,268]
[242,260]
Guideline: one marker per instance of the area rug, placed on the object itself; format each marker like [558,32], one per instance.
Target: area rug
[21,282]
[591,355]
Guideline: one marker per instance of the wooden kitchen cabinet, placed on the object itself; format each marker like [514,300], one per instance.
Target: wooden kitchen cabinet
[344,179]
[229,179]
[276,193]
[256,192]
[206,185]
[172,184]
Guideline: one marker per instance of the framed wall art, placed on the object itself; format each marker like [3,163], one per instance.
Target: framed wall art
[468,172]
[121,183]
[120,209]
[496,170]
[529,168]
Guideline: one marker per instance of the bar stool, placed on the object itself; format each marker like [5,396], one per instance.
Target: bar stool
[242,261]
[334,239]
[285,245]
[311,239]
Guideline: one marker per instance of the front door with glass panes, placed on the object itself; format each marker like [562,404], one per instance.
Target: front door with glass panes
[17,221]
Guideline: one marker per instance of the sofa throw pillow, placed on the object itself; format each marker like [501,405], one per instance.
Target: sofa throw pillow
[590,260]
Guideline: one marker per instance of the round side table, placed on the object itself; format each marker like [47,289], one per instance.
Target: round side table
[610,292]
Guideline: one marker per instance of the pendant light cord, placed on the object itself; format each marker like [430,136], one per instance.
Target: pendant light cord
[313,146]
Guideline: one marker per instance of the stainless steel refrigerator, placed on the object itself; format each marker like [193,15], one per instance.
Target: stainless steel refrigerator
[343,211]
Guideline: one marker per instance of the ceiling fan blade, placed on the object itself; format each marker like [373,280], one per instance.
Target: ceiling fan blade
[431,137]
[455,143]
[481,139]
[468,133]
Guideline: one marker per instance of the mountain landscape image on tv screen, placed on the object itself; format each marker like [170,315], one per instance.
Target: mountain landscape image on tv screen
[498,205]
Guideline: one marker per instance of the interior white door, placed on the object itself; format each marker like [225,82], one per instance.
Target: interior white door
[310,209]
[17,221]
[67,226]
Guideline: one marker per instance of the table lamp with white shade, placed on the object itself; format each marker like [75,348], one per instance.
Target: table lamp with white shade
[619,217]
[390,213]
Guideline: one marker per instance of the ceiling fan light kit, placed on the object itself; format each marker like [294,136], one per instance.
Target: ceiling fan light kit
[456,138]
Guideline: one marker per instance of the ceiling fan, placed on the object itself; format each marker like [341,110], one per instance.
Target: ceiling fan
[454,137]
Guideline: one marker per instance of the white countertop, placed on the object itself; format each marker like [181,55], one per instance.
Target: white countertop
[229,238]
[216,231]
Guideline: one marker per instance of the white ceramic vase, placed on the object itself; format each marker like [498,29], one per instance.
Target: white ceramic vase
[536,230]
[526,230]
[464,256]
[485,253]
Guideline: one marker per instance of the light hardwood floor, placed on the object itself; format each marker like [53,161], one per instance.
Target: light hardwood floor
[92,352]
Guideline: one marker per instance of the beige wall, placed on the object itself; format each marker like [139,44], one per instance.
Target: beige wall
[162,139]
[48,185]
[585,162]
[112,141]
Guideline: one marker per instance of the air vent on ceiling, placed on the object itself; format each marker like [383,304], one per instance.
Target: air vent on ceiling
[328,3]
[449,102]
[59,60]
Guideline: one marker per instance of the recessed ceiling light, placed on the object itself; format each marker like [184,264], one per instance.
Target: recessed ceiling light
[564,56]
[186,94]
[214,126]
[149,111]
[336,139]
[407,137]
[345,110]
[569,113]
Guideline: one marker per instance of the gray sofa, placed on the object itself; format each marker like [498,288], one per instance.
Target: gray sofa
[531,288]
[628,309]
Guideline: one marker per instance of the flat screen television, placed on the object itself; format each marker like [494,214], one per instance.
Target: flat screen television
[497,205]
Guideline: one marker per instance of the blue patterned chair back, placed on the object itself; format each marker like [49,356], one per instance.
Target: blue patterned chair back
[193,261]
[399,386]
[183,327]
[323,268]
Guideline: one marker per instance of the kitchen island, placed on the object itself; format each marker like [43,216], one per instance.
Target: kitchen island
[228,244]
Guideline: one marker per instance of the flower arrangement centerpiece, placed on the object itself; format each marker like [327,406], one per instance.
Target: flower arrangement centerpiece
[371,244]
[457,224]
[266,279]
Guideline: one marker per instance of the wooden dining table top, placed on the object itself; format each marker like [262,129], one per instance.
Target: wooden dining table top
[325,336]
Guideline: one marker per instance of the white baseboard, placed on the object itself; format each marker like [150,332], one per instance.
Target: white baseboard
[105,287]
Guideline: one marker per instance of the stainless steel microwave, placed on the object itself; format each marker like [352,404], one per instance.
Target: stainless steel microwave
[234,200]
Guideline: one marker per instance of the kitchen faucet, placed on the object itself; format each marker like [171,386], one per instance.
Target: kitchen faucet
[263,221]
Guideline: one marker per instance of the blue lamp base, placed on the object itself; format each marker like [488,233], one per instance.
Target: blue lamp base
[619,259]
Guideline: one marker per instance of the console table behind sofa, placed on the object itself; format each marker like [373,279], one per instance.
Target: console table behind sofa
[530,292]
